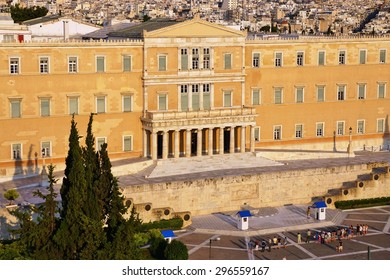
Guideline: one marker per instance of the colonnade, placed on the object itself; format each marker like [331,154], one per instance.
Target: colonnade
[170,143]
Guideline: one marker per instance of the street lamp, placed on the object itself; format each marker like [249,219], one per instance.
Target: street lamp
[211,240]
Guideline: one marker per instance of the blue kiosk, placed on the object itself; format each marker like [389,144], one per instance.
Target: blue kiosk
[320,210]
[168,235]
[243,219]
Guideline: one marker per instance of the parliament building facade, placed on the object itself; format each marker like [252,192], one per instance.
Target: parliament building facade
[191,89]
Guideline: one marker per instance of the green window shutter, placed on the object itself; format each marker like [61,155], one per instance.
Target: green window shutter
[45,107]
[362,56]
[184,101]
[320,94]
[100,64]
[206,101]
[74,105]
[278,96]
[15,109]
[381,91]
[228,60]
[299,95]
[127,103]
[162,63]
[100,104]
[361,91]
[162,102]
[227,99]
[321,58]
[126,63]
[255,97]
[127,143]
[382,56]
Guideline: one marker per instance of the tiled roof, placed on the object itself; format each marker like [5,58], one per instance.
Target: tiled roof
[41,19]
[103,33]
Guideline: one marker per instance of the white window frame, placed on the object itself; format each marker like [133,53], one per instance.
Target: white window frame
[97,57]
[42,99]
[166,101]
[300,58]
[73,67]
[18,100]
[14,69]
[319,61]
[99,97]
[98,139]
[184,53]
[225,92]
[195,59]
[159,67]
[259,97]
[385,56]
[78,105]
[47,150]
[338,131]
[342,60]
[255,61]
[278,61]
[298,133]
[230,66]
[384,90]
[344,87]
[130,57]
[358,130]
[365,56]
[382,128]
[124,96]
[317,93]
[364,91]
[256,133]
[281,95]
[206,60]
[44,67]
[322,132]
[277,132]
[16,156]
[131,143]
[296,94]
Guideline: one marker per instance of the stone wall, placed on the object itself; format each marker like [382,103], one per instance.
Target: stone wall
[261,190]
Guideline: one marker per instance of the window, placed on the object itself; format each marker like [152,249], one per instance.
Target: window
[298,131]
[277,132]
[340,128]
[362,56]
[16,111]
[227,60]
[278,95]
[320,129]
[126,63]
[184,59]
[382,56]
[100,61]
[195,59]
[73,105]
[45,107]
[381,90]
[380,125]
[257,134]
[227,98]
[127,143]
[360,126]
[278,59]
[256,60]
[320,93]
[162,102]
[341,92]
[256,96]
[184,97]
[162,62]
[299,94]
[100,104]
[321,58]
[127,101]
[43,65]
[8,38]
[16,151]
[46,149]
[99,142]
[206,97]
[342,56]
[361,91]
[72,64]
[206,58]
[14,65]
[195,97]
[300,58]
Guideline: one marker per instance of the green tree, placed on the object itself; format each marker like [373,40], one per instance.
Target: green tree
[266,28]
[176,250]
[20,14]
[11,195]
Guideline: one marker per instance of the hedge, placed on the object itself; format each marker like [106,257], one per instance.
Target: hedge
[175,223]
[361,203]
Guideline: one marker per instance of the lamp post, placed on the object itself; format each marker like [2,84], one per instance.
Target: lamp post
[350,152]
[211,240]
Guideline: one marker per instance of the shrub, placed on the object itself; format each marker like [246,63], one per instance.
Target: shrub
[11,195]
[361,203]
[176,250]
[157,247]
[175,223]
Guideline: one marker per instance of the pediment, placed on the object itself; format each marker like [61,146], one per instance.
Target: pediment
[194,28]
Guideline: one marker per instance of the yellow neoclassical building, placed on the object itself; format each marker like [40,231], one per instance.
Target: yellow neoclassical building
[192,88]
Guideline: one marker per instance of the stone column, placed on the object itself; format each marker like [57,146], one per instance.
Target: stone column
[154,146]
[145,140]
[242,139]
[188,143]
[252,139]
[177,144]
[199,143]
[210,151]
[221,146]
[165,145]
[232,146]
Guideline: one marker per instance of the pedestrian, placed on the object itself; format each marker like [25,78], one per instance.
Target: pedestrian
[308,234]
[299,238]
[263,245]
[308,212]
[285,242]
[275,241]
[269,244]
[279,242]
[360,229]
[322,237]
[339,248]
